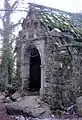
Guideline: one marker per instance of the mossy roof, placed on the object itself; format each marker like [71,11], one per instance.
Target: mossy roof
[64,21]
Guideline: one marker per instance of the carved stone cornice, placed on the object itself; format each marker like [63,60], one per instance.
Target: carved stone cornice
[33,39]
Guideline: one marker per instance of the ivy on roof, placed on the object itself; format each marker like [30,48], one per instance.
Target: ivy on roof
[61,22]
[64,21]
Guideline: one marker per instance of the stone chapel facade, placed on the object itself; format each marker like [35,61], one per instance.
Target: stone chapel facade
[48,59]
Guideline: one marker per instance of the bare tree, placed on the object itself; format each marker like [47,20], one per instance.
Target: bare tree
[8,36]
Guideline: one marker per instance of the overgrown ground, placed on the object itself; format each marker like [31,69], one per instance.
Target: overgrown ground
[5,116]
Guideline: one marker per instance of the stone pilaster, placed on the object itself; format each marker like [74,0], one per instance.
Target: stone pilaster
[25,76]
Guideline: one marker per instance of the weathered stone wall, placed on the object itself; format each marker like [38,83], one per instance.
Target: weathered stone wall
[79,72]
[61,71]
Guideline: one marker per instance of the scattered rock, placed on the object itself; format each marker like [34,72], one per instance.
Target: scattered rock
[16,95]
[79,105]
[20,118]
[72,109]
[30,106]
[7,100]
[19,99]
[2,97]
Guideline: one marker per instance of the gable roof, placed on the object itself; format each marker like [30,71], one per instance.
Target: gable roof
[54,18]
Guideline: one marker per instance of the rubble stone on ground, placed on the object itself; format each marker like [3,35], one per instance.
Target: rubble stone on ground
[31,106]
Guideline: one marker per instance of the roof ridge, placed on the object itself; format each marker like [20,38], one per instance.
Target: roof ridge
[49,8]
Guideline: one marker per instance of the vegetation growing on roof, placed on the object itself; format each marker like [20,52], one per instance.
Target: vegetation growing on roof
[60,21]
[65,21]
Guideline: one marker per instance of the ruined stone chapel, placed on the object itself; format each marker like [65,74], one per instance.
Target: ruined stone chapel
[49,54]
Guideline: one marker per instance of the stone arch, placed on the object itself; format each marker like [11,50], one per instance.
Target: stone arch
[25,66]
[26,50]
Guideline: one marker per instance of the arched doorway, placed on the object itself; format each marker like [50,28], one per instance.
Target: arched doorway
[35,70]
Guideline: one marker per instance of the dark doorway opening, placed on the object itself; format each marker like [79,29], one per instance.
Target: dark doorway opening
[35,70]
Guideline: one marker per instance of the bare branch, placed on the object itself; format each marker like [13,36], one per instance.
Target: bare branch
[15,25]
[14,6]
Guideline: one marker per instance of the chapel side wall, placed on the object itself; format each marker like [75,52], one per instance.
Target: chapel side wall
[52,66]
[78,73]
[59,73]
